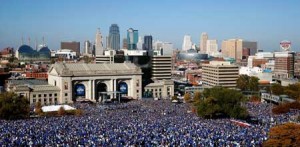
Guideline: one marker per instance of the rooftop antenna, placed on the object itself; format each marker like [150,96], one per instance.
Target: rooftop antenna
[43,41]
[36,46]
[22,40]
[29,41]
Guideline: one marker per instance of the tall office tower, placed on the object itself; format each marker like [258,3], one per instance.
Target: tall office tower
[125,45]
[132,39]
[203,42]
[74,46]
[233,48]
[187,43]
[161,67]
[157,45]
[211,47]
[284,65]
[98,43]
[167,48]
[148,43]
[140,43]
[114,37]
[220,73]
[87,47]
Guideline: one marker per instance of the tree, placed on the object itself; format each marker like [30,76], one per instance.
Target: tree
[174,98]
[61,111]
[78,112]
[222,102]
[277,89]
[38,108]
[284,135]
[197,97]
[242,82]
[13,106]
[293,91]
[187,97]
[253,83]
[286,107]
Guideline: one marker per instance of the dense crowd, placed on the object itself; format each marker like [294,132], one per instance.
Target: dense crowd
[138,123]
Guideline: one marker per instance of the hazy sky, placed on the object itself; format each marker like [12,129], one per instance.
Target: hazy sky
[266,21]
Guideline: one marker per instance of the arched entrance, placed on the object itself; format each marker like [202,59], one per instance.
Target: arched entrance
[79,91]
[100,87]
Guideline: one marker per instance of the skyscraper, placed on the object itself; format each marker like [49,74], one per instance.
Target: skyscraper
[233,48]
[140,43]
[114,37]
[125,46]
[203,42]
[87,47]
[132,39]
[98,43]
[211,47]
[187,43]
[147,42]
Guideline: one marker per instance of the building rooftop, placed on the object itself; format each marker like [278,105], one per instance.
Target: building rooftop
[28,82]
[81,69]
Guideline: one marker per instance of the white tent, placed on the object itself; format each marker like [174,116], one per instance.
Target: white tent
[52,108]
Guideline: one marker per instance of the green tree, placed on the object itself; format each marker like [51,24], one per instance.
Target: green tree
[242,82]
[187,97]
[13,106]
[253,83]
[277,89]
[284,135]
[222,102]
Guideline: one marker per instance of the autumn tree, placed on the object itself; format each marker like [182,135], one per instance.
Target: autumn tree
[197,97]
[13,106]
[174,98]
[38,108]
[187,97]
[287,134]
[293,91]
[277,89]
[61,111]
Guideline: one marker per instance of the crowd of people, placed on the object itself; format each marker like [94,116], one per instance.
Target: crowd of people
[138,123]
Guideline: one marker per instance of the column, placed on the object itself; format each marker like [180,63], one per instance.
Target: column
[111,88]
[93,90]
[115,87]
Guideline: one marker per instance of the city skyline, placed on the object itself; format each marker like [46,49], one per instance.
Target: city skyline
[267,22]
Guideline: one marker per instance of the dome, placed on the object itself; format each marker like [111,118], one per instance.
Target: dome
[191,51]
[192,56]
[44,50]
[25,49]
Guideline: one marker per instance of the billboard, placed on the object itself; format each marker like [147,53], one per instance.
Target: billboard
[79,90]
[285,45]
[123,88]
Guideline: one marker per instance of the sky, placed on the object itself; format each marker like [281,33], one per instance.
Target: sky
[266,21]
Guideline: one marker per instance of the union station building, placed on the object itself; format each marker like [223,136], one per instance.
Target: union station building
[95,82]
